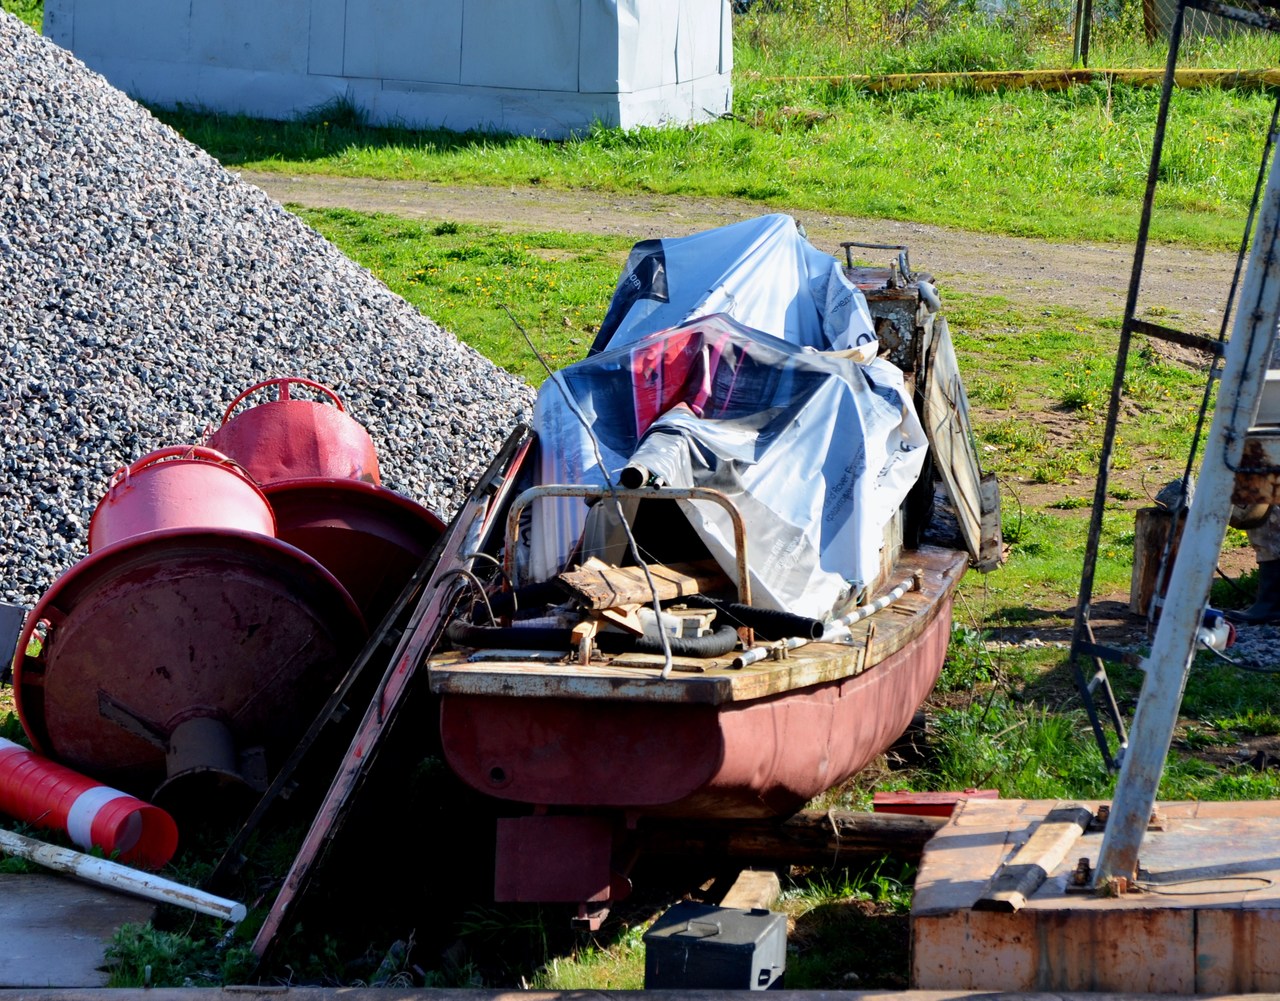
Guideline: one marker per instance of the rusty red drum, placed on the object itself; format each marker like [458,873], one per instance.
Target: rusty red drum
[182,486]
[290,438]
[183,658]
[369,537]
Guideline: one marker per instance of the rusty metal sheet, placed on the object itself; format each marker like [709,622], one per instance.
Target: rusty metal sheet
[56,930]
[1258,477]
[1145,952]
[1207,919]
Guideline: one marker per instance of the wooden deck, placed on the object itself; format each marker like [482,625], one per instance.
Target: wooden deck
[712,681]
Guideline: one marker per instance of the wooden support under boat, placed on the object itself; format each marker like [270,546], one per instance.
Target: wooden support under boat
[810,837]
[754,889]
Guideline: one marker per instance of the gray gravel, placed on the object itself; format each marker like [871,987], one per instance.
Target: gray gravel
[143,286]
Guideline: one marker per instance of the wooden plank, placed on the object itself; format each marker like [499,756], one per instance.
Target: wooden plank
[1152,526]
[1030,866]
[56,930]
[598,585]
[810,837]
[754,889]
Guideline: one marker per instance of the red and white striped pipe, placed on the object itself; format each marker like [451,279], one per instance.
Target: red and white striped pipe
[43,793]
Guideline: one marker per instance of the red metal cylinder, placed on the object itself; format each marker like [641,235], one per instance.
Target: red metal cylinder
[371,538]
[288,438]
[182,486]
[38,791]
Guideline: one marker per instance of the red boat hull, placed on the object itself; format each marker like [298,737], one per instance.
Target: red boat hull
[756,759]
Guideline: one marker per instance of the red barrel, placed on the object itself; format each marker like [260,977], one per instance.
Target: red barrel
[289,439]
[182,486]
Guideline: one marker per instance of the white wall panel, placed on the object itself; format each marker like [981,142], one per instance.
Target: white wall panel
[521,44]
[250,34]
[326,36]
[399,40]
[608,31]
[142,29]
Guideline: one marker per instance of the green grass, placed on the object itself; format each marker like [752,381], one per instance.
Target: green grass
[486,284]
[30,12]
[1056,165]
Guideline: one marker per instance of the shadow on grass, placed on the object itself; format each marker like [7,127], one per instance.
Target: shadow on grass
[235,140]
[849,945]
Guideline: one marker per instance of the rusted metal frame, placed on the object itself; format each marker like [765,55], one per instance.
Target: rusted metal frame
[1258,475]
[641,493]
[904,258]
[415,643]
[1175,640]
[1097,688]
[1081,630]
[1249,18]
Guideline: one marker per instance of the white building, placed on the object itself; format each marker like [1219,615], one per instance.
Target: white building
[533,67]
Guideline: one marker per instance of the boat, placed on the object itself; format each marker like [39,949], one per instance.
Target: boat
[717,580]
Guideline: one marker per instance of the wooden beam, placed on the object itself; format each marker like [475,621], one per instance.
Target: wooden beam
[811,837]
[1022,875]
[754,889]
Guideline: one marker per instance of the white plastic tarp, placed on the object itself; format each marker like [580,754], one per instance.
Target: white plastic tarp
[762,272]
[816,450]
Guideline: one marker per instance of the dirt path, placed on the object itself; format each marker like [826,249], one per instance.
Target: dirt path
[1187,286]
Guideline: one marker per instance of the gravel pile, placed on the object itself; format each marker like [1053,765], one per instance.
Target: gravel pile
[142,287]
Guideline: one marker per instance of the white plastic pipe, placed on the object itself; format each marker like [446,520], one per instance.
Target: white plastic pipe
[110,874]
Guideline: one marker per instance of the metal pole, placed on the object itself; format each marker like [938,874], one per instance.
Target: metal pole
[1247,357]
[115,876]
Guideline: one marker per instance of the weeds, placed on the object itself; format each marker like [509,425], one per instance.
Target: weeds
[141,955]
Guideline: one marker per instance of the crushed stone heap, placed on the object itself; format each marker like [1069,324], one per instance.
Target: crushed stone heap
[143,286]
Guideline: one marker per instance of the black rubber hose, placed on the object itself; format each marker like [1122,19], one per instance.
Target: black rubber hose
[487,637]
[770,623]
[462,633]
[716,644]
